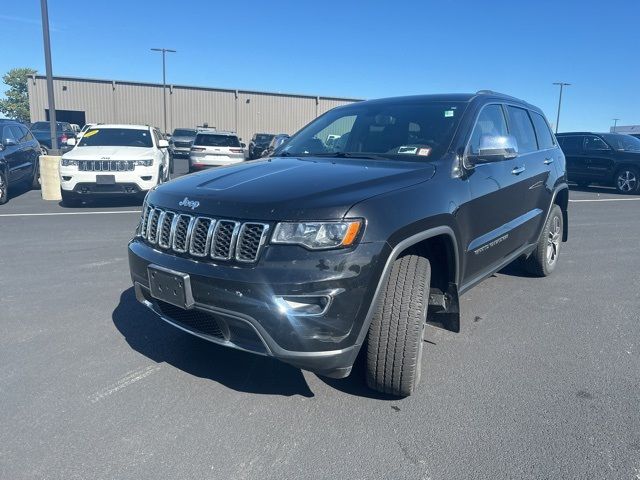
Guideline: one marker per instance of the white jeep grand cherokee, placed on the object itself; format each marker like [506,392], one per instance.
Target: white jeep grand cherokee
[114,160]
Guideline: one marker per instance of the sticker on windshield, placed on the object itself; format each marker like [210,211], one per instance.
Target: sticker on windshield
[408,150]
[424,152]
[90,133]
[448,113]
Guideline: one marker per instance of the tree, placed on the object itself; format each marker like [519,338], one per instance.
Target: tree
[16,105]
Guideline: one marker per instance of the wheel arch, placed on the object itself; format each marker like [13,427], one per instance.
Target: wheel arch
[562,200]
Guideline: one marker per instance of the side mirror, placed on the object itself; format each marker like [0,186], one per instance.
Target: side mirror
[8,142]
[243,145]
[71,142]
[163,144]
[494,148]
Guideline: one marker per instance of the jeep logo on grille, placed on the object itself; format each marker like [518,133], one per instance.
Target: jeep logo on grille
[192,204]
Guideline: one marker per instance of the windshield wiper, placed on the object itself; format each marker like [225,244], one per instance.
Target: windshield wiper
[367,156]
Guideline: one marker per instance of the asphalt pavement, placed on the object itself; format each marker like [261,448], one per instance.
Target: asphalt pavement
[543,382]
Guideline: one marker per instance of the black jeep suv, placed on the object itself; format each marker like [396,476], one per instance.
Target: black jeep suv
[611,159]
[367,224]
[19,158]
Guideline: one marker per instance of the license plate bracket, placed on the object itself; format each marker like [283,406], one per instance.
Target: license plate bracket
[105,179]
[170,286]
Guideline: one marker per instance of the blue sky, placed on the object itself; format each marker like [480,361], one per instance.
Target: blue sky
[362,49]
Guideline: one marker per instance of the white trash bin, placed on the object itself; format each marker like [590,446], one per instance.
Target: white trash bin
[50,177]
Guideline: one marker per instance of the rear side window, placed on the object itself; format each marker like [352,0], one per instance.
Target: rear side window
[572,144]
[522,129]
[213,140]
[591,143]
[491,121]
[7,134]
[545,138]
[17,133]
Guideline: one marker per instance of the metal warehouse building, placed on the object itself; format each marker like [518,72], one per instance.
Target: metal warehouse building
[83,100]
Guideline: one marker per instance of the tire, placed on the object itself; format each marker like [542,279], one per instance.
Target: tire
[70,199]
[394,343]
[627,180]
[4,188]
[35,180]
[43,150]
[542,262]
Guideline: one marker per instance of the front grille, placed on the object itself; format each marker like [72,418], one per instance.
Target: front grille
[203,236]
[194,320]
[106,165]
[182,144]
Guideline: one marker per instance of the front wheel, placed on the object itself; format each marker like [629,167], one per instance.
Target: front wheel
[394,343]
[4,188]
[542,262]
[628,180]
[43,150]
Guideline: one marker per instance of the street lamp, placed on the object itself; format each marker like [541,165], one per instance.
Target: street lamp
[562,84]
[47,60]
[615,124]
[164,81]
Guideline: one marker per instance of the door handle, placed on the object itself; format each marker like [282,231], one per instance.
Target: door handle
[517,170]
[548,161]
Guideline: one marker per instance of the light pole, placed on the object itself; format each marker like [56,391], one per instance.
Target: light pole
[615,124]
[562,84]
[164,81]
[47,60]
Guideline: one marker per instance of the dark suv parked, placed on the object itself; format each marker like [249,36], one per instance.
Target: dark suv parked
[42,132]
[611,159]
[181,141]
[19,153]
[365,225]
[258,143]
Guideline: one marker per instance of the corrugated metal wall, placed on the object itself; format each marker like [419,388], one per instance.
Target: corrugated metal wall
[245,112]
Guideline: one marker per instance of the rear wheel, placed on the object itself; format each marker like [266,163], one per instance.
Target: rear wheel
[4,188]
[35,179]
[542,262]
[394,343]
[628,180]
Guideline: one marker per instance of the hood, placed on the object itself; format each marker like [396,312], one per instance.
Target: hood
[289,188]
[113,153]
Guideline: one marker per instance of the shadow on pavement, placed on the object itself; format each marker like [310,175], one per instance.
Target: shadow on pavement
[240,371]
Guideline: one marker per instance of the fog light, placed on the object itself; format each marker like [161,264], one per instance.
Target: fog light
[303,304]
[65,178]
[146,178]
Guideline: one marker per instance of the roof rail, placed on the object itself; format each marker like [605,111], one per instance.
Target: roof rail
[492,92]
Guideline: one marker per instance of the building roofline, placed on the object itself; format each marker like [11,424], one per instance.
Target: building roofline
[193,87]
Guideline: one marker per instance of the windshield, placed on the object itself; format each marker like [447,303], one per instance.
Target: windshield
[263,138]
[212,140]
[184,132]
[626,143]
[415,131]
[45,126]
[116,137]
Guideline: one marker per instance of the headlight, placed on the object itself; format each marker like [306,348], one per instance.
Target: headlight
[68,163]
[317,235]
[143,163]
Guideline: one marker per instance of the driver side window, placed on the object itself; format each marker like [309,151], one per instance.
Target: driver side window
[491,121]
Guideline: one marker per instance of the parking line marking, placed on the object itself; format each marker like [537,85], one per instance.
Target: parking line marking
[124,382]
[66,213]
[606,200]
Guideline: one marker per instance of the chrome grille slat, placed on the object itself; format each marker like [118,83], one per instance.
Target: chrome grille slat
[181,233]
[152,227]
[224,239]
[250,241]
[201,237]
[164,235]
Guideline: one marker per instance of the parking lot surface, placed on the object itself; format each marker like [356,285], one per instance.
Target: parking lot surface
[542,382]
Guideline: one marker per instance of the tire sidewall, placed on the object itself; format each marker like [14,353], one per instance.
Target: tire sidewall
[555,212]
[4,195]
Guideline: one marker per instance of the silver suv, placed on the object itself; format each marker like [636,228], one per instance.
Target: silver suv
[214,148]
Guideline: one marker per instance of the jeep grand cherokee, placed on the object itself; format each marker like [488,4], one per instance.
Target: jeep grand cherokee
[366,225]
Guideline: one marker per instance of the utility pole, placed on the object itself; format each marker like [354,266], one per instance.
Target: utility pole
[164,81]
[615,124]
[47,61]
[562,84]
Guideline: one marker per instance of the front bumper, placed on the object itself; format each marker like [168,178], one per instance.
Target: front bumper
[180,151]
[142,179]
[237,306]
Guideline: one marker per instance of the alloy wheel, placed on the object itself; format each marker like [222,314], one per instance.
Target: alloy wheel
[553,241]
[627,181]
[3,189]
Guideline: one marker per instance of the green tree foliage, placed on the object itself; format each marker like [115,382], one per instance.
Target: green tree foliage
[16,103]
